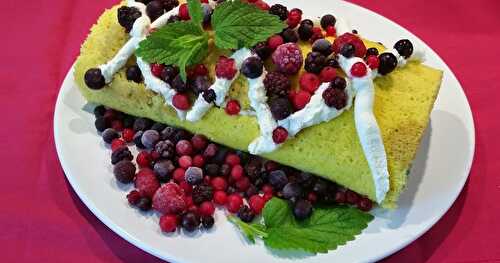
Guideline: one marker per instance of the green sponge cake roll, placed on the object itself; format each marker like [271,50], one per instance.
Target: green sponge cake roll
[403,103]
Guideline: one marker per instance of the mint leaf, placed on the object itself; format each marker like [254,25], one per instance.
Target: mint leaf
[251,231]
[238,25]
[195,11]
[180,43]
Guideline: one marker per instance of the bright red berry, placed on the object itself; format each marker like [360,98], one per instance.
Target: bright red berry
[143,159]
[242,184]
[358,70]
[312,197]
[251,1]
[168,223]
[373,62]
[225,68]
[207,208]
[267,189]
[309,82]
[204,1]
[237,172]
[294,17]
[331,31]
[233,107]
[156,69]
[198,160]
[256,203]
[267,197]
[169,199]
[220,197]
[184,12]
[154,155]
[199,141]
[234,203]
[128,134]
[348,38]
[186,187]
[185,161]
[317,30]
[327,74]
[181,101]
[280,135]
[193,209]
[117,125]
[178,174]
[275,41]
[117,143]
[232,159]
[200,70]
[146,182]
[133,197]
[301,99]
[188,199]
[262,5]
[219,183]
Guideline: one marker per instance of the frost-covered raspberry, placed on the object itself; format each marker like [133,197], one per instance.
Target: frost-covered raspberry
[169,199]
[146,182]
[288,58]
[225,68]
[277,83]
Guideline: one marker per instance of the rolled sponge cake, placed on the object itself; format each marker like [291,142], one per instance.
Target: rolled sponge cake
[404,100]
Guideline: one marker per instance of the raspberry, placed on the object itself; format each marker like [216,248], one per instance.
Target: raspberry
[237,172]
[233,107]
[243,184]
[207,208]
[146,182]
[309,82]
[168,223]
[181,101]
[128,135]
[358,70]
[331,31]
[188,200]
[317,34]
[220,197]
[133,197]
[256,203]
[275,41]
[117,143]
[315,62]
[184,147]
[348,38]
[169,199]
[301,99]
[198,161]
[185,161]
[156,69]
[288,58]
[202,193]
[267,197]
[280,108]
[199,141]
[294,17]
[279,135]
[178,174]
[372,61]
[262,5]
[234,203]
[327,74]
[184,12]
[143,159]
[232,159]
[335,98]
[219,184]
[200,70]
[277,83]
[225,68]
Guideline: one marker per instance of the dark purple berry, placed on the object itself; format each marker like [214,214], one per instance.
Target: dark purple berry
[277,84]
[252,67]
[202,193]
[207,222]
[134,74]
[165,149]
[322,46]
[207,13]
[168,133]
[404,48]
[335,98]
[372,52]
[144,204]
[200,84]
[169,72]
[302,209]
[332,62]
[99,111]
[179,85]
[278,179]
[101,124]
[122,153]
[339,83]
[127,16]
[164,170]
[124,171]
[348,50]
[94,79]
[388,62]
[305,31]
[150,138]
[155,9]
[292,191]
[290,36]
[246,214]
[193,175]
[158,126]
[209,95]
[327,20]
[142,124]
[279,10]
[315,62]
[280,108]
[170,4]
[173,19]
[190,222]
[109,135]
[212,169]
[263,50]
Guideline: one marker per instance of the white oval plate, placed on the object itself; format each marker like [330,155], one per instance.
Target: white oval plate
[438,175]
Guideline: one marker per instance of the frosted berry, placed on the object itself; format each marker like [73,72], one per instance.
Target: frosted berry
[278,179]
[292,191]
[124,171]
[277,83]
[150,138]
[279,135]
[315,62]
[225,68]
[359,70]
[165,149]
[387,63]
[372,61]
[169,199]
[234,202]
[168,223]
[146,182]
[335,98]
[252,67]
[142,124]
[301,99]
[199,141]
[164,170]
[121,153]
[185,161]
[404,48]
[109,135]
[309,82]
[184,12]
[233,107]
[275,41]
[190,222]
[327,74]
[181,101]
[219,183]
[288,58]
[193,175]
[184,147]
[348,38]
[94,79]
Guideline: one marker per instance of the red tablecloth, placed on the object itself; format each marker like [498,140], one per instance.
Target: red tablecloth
[42,220]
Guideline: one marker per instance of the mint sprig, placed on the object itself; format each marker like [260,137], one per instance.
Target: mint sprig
[325,230]
[236,25]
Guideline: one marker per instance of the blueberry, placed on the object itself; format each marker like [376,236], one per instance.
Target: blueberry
[193,175]
[179,85]
[302,209]
[150,138]
[169,72]
[134,74]
[278,179]
[207,222]
[348,50]
[332,62]
[327,20]
[124,171]
[292,191]
[158,126]
[252,67]
[339,83]
[372,52]
[404,48]
[94,79]
[246,214]
[155,9]
[207,13]
[305,30]
[101,124]
[322,46]
[127,16]
[99,111]
[137,139]
[120,154]
[164,169]
[190,222]
[144,204]
[263,50]
[321,187]
[290,36]
[388,62]
[142,124]
[308,22]
[173,19]
[128,121]
[109,135]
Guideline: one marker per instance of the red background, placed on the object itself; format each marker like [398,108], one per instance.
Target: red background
[42,220]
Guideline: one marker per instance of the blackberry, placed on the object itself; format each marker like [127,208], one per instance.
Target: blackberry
[94,79]
[280,108]
[388,62]
[290,36]
[277,83]
[179,85]
[327,20]
[144,204]
[155,9]
[120,154]
[335,98]
[279,10]
[372,52]
[134,74]
[348,50]
[262,50]
[404,48]
[173,19]
[202,193]
[315,62]
[339,83]
[305,31]
[127,16]
[170,4]
[209,95]
[190,221]
[332,62]
[165,149]
[246,214]
[168,133]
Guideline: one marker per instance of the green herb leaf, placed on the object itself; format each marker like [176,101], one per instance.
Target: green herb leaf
[179,43]
[238,25]
[195,11]
[326,229]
